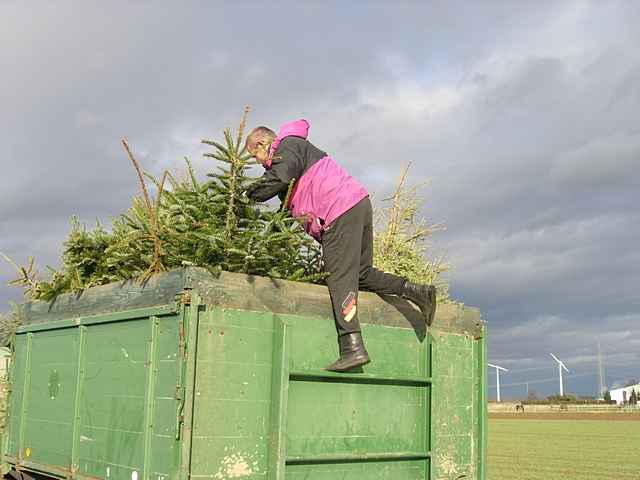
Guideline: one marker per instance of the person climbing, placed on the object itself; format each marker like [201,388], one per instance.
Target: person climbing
[335,209]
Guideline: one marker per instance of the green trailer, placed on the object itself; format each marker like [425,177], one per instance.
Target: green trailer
[195,375]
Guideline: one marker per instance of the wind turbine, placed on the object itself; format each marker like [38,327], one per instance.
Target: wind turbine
[497,377]
[560,367]
[601,386]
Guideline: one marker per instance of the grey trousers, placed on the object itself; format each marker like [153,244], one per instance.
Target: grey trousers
[347,250]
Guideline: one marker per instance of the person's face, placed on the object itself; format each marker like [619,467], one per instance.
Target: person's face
[259,149]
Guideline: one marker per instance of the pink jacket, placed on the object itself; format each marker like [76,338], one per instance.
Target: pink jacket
[325,190]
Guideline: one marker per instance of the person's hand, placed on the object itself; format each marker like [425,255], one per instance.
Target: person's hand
[315,228]
[311,224]
[246,193]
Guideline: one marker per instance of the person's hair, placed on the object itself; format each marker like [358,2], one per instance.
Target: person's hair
[258,134]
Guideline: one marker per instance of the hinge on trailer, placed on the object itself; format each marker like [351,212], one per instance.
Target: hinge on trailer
[181,341]
[478,333]
[180,394]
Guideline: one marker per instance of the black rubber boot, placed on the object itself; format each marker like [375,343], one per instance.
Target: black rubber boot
[424,296]
[352,353]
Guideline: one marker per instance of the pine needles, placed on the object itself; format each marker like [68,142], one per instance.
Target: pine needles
[401,239]
[27,276]
[211,224]
[8,324]
[152,214]
[188,222]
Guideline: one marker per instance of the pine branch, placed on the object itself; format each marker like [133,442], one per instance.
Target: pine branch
[285,203]
[243,124]
[191,222]
[159,195]
[28,276]
[400,240]
[219,146]
[192,175]
[394,222]
[136,165]
[156,262]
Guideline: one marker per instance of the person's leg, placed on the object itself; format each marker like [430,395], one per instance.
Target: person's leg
[341,246]
[377,281]
[341,255]
[372,279]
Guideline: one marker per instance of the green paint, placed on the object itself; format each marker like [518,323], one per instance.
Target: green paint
[150,400]
[190,333]
[483,430]
[279,396]
[457,409]
[232,401]
[140,313]
[82,332]
[25,397]
[113,298]
[232,385]
[425,359]
[54,384]
[181,366]
[15,395]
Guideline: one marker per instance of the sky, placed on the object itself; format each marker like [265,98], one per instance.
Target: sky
[522,116]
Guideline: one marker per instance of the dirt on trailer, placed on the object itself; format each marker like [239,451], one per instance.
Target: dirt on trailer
[567,416]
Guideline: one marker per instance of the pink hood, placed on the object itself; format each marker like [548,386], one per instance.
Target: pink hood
[297,128]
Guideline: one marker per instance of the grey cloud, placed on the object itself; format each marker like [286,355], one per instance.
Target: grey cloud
[605,163]
[523,115]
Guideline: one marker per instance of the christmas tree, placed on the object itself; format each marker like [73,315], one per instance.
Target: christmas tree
[211,224]
[400,244]
[188,222]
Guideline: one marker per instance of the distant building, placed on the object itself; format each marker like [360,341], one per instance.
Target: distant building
[622,395]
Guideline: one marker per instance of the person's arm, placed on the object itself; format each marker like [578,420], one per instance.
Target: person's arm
[266,187]
[285,167]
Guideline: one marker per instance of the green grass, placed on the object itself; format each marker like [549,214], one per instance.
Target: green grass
[563,450]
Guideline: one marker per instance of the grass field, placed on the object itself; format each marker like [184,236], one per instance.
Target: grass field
[564,448]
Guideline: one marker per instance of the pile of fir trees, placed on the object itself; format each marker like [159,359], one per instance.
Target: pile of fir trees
[211,224]
[401,241]
[187,222]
